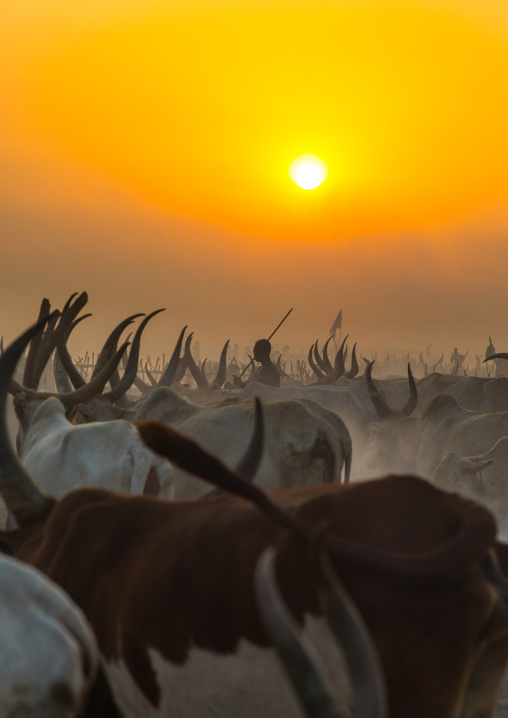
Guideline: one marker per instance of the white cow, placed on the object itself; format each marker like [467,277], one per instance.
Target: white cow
[417,444]
[472,392]
[347,400]
[304,443]
[483,477]
[48,653]
[62,456]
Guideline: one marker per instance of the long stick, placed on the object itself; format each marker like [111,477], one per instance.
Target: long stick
[271,335]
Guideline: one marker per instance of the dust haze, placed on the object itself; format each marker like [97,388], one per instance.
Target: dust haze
[399,293]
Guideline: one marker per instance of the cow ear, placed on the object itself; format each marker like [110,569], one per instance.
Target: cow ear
[71,414]
[79,414]
[474,467]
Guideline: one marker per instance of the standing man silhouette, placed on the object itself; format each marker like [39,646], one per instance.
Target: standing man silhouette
[267,373]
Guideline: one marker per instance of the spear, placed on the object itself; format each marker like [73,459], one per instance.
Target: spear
[271,335]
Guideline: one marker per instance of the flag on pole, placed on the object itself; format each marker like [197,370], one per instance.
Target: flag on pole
[337,324]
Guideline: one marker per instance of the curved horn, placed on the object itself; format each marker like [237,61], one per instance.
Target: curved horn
[328,364]
[150,376]
[44,350]
[220,377]
[169,375]
[52,335]
[319,360]
[413,394]
[313,366]
[181,370]
[300,661]
[61,377]
[80,395]
[499,355]
[65,358]
[353,636]
[197,375]
[132,363]
[339,366]
[33,349]
[355,368]
[111,343]
[138,383]
[250,461]
[380,404]
[20,494]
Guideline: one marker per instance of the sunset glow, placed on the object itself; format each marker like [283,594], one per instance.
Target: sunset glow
[184,117]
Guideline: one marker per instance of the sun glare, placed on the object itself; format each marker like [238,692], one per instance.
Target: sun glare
[308,171]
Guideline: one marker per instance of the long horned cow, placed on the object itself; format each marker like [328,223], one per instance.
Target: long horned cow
[169,587]
[305,443]
[62,456]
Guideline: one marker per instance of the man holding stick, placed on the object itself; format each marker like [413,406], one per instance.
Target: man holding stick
[267,373]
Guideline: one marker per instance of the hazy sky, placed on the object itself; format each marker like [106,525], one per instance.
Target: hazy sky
[144,153]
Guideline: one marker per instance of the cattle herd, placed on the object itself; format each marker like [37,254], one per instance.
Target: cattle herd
[175,547]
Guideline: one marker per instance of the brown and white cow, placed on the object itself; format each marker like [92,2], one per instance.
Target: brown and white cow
[168,587]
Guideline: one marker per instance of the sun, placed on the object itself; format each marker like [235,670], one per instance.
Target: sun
[308,171]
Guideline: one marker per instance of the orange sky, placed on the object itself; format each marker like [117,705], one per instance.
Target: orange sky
[144,149]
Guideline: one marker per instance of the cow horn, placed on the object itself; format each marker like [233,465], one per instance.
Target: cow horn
[320,362]
[53,334]
[138,383]
[151,378]
[300,660]
[132,363]
[354,365]
[20,494]
[249,463]
[338,369]
[111,343]
[313,366]
[353,636]
[61,377]
[82,394]
[169,375]
[33,348]
[328,364]
[380,404]
[499,355]
[62,353]
[220,377]
[197,375]
[181,370]
[413,394]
